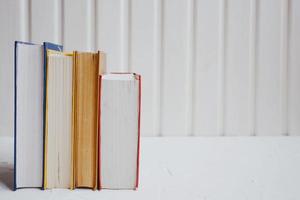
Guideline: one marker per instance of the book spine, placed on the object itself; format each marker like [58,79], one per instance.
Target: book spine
[138,77]
[15,117]
[99,130]
[44,116]
[98,59]
[73,182]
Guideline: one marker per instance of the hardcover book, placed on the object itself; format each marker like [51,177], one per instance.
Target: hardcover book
[119,130]
[87,66]
[58,168]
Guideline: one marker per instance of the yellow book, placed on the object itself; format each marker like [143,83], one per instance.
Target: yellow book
[58,158]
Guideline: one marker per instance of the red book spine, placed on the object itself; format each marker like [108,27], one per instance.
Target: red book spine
[139,132]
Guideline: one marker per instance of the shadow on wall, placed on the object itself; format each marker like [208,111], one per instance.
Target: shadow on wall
[6,175]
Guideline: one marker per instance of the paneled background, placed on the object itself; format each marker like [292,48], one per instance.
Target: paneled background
[209,67]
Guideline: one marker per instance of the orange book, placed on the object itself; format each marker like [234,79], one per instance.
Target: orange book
[86,67]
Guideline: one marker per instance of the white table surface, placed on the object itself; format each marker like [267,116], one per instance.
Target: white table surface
[208,168]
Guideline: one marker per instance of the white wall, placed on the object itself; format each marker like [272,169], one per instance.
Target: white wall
[209,67]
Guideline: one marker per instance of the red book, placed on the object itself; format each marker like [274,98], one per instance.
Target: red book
[119,130]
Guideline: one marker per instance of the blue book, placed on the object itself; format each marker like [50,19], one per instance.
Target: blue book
[29,108]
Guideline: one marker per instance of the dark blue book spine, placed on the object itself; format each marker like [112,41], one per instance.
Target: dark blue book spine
[15,115]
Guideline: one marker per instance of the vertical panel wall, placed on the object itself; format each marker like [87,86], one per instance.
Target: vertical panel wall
[12,14]
[237,32]
[206,68]
[109,32]
[42,22]
[209,68]
[78,26]
[173,69]
[268,68]
[141,56]
[293,62]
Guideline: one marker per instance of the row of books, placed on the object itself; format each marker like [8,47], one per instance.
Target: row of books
[76,126]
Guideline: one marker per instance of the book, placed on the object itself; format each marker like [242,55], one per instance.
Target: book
[87,66]
[119,107]
[28,113]
[58,168]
